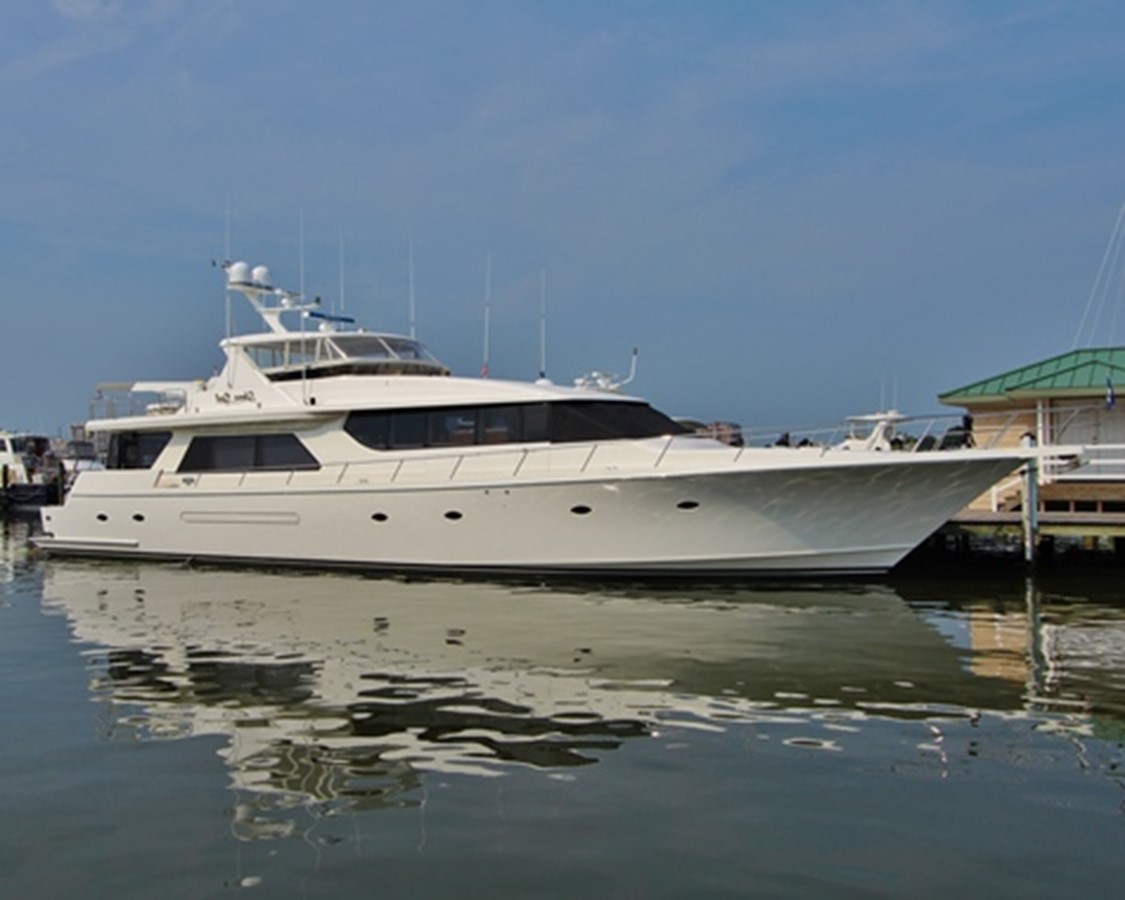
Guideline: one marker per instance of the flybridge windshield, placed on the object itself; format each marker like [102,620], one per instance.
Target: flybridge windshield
[370,346]
[307,348]
[294,354]
[404,348]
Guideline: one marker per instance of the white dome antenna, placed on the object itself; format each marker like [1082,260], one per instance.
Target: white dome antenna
[238,273]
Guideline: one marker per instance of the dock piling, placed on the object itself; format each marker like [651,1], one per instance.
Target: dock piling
[1029,506]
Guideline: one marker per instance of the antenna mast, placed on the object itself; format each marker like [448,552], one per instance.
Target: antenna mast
[412,323]
[543,323]
[343,294]
[301,253]
[226,259]
[487,311]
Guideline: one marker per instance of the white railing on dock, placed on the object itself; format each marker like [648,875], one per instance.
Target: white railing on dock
[1003,490]
[1100,462]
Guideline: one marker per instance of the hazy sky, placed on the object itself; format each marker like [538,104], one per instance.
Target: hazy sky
[796,211]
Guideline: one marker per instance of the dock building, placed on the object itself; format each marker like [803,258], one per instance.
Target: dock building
[1065,401]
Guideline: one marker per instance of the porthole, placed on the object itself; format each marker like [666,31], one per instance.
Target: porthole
[581,510]
[102,517]
[453,515]
[138,517]
[379,517]
[687,504]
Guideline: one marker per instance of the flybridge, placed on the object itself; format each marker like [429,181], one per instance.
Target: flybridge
[284,354]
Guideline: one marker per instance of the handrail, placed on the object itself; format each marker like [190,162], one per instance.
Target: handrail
[1000,489]
[908,435]
[1100,462]
[918,433]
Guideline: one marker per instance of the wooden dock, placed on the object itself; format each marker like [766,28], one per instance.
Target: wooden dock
[1055,524]
[1082,516]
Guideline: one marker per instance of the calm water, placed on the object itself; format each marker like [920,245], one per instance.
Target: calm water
[178,732]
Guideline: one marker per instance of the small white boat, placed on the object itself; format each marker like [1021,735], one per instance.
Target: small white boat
[324,445]
[30,475]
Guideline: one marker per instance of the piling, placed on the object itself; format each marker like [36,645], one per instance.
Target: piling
[1030,511]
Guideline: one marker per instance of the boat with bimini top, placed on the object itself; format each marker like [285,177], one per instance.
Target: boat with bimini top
[325,445]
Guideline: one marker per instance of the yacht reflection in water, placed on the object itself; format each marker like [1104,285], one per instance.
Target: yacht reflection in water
[344,692]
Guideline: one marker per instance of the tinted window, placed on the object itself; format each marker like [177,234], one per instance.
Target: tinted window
[535,423]
[452,427]
[500,424]
[282,451]
[135,449]
[372,429]
[559,422]
[240,453]
[409,429]
[599,420]
[580,423]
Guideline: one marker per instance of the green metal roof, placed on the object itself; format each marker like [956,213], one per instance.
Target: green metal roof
[1074,374]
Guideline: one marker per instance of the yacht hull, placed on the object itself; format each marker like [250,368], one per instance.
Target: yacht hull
[767,515]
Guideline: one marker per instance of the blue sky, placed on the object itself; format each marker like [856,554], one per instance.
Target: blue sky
[797,211]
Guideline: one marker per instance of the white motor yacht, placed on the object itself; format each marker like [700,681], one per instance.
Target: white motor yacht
[319,444]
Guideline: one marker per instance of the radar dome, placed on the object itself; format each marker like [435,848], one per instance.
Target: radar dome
[261,275]
[238,273]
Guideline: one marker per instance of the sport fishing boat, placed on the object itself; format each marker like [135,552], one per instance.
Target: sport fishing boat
[319,444]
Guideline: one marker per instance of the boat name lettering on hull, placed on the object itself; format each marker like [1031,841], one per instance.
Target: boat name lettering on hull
[240,397]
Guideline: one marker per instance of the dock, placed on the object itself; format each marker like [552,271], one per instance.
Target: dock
[1082,518]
